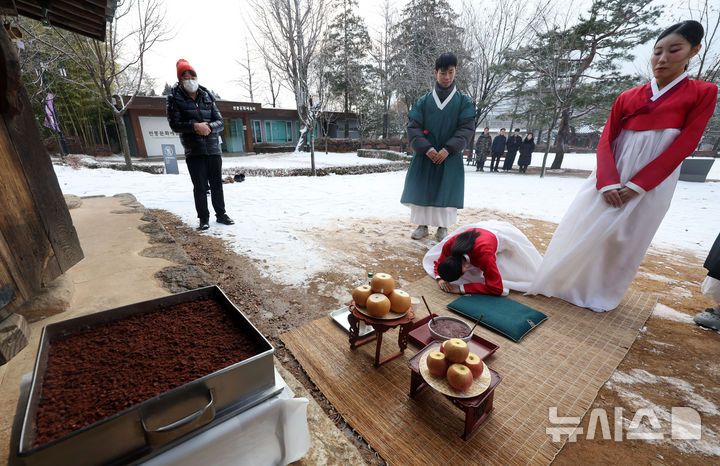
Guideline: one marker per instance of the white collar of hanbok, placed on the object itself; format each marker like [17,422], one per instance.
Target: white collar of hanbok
[467,258]
[657,93]
[441,105]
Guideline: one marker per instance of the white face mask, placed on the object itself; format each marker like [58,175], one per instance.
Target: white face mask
[190,85]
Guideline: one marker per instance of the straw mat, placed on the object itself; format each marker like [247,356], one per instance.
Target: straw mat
[562,363]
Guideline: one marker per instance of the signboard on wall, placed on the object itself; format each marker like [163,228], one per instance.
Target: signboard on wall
[156,133]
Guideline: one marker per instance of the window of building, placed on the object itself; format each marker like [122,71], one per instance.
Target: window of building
[278,131]
[256,131]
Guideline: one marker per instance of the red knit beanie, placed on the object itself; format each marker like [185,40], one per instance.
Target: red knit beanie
[183,66]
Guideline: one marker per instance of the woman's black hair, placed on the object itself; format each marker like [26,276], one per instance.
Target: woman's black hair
[451,268]
[691,30]
[528,134]
[445,61]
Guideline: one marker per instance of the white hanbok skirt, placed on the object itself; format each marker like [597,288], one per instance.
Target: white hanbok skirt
[597,249]
[516,257]
[432,216]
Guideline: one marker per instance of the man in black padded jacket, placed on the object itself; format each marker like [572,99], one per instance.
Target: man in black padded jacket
[191,112]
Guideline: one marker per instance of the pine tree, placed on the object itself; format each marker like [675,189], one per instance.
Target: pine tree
[566,58]
[348,42]
[167,90]
[427,29]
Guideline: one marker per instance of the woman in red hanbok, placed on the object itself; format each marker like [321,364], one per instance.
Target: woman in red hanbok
[600,242]
[490,257]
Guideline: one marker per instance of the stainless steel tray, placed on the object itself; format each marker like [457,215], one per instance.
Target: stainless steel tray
[340,316]
[156,424]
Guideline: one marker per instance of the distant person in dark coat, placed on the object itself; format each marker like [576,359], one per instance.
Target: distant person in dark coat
[526,149]
[482,149]
[191,112]
[498,147]
[513,144]
[711,288]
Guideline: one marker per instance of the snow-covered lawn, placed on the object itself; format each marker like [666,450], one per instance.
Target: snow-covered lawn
[587,162]
[270,211]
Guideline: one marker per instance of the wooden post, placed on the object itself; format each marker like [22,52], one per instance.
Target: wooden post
[248,134]
[38,241]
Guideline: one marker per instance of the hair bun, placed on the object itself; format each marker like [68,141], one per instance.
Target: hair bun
[691,30]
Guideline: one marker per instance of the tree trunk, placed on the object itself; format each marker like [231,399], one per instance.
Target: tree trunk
[471,147]
[311,142]
[298,146]
[386,119]
[563,130]
[347,120]
[326,132]
[124,139]
[547,145]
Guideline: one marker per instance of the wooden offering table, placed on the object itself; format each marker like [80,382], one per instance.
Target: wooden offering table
[380,326]
[477,409]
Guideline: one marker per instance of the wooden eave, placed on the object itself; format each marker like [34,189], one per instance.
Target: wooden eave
[86,17]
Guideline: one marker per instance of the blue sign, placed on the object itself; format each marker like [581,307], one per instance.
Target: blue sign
[170,159]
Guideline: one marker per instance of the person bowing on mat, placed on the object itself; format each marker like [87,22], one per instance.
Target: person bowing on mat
[490,257]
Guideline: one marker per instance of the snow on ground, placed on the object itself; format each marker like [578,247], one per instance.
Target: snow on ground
[271,212]
[587,162]
[665,312]
[300,160]
[623,383]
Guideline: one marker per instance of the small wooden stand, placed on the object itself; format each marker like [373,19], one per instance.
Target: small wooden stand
[477,409]
[380,326]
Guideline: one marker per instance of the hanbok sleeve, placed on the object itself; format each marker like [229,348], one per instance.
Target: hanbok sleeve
[687,141]
[415,127]
[416,138]
[607,176]
[493,281]
[459,140]
[465,127]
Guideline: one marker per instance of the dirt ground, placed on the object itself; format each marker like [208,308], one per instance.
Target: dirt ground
[672,362]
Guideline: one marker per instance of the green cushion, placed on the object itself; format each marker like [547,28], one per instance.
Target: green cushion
[505,316]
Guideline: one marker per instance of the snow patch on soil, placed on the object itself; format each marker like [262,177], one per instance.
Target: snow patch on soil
[709,444]
[665,312]
[639,376]
[659,343]
[655,277]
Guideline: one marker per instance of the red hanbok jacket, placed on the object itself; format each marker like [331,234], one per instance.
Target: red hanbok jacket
[482,256]
[686,106]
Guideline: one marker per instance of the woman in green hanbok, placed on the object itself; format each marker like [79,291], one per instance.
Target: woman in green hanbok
[440,125]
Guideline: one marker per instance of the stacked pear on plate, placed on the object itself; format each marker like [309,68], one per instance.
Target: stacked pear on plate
[380,296]
[456,363]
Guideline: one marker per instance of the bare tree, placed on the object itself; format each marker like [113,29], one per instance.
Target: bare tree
[291,32]
[274,84]
[708,61]
[381,54]
[492,31]
[117,64]
[247,81]
[708,68]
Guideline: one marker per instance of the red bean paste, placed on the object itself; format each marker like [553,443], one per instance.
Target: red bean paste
[96,372]
[450,328]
